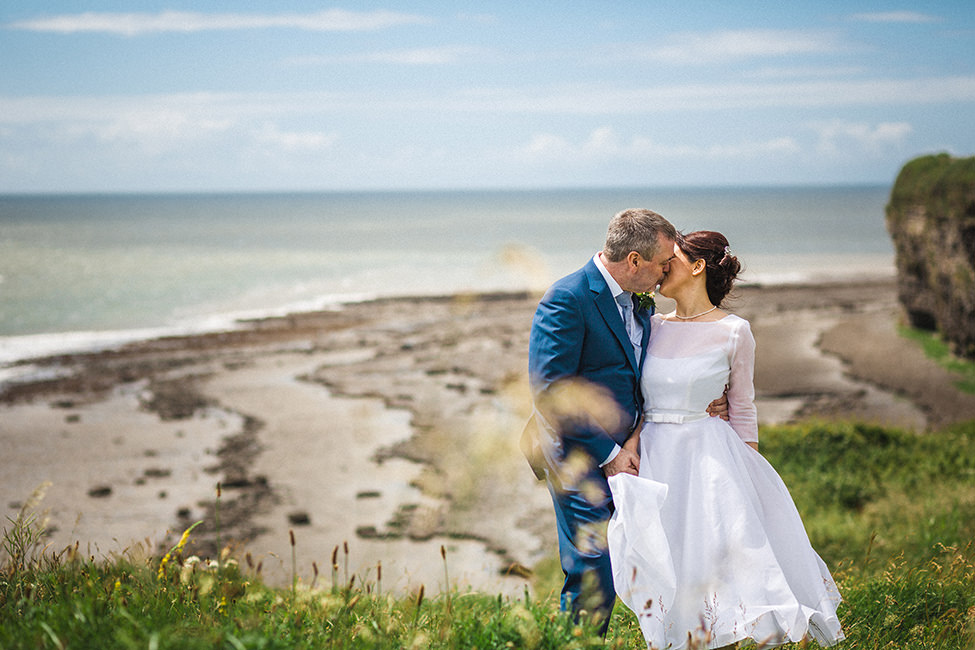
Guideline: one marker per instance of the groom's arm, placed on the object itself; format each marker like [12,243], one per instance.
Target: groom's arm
[555,343]
[554,361]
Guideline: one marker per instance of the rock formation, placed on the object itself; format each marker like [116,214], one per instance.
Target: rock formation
[931,218]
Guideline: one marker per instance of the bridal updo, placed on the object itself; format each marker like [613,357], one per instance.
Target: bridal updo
[721,267]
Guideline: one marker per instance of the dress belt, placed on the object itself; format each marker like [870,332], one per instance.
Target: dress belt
[673,417]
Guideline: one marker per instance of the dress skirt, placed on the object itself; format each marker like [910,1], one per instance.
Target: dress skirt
[708,548]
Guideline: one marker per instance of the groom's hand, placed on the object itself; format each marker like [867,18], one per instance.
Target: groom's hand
[626,462]
[719,407]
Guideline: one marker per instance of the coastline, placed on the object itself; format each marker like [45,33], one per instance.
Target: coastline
[387,427]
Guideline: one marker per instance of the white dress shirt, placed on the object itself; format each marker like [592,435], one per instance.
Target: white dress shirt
[616,289]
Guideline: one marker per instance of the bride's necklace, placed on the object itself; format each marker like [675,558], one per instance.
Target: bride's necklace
[707,311]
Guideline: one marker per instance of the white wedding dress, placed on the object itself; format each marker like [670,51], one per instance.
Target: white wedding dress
[706,544]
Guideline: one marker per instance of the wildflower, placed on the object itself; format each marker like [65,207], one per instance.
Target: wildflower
[189,567]
[175,550]
[420,640]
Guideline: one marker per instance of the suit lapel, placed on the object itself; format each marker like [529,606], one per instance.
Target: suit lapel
[606,305]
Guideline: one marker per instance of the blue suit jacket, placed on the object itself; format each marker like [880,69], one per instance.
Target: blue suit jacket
[577,333]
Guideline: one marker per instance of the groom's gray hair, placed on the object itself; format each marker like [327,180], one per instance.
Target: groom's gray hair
[636,230]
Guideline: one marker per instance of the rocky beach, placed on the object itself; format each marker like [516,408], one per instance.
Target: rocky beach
[384,433]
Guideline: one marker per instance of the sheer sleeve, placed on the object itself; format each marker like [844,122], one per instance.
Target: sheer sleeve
[741,390]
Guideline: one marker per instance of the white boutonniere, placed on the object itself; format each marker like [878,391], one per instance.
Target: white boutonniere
[645,300]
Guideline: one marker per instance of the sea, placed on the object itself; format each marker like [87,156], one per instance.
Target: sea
[85,272]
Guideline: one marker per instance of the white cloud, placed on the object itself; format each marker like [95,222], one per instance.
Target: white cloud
[197,107]
[749,149]
[151,129]
[295,141]
[133,24]
[152,124]
[595,100]
[423,56]
[479,19]
[601,143]
[604,143]
[895,17]
[720,46]
[181,112]
[157,126]
[546,146]
[837,136]
[794,72]
[445,55]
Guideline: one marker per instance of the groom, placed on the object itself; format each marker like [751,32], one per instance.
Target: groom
[587,346]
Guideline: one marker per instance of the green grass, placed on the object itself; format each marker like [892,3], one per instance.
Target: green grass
[937,350]
[82,604]
[926,606]
[869,494]
[940,181]
[892,513]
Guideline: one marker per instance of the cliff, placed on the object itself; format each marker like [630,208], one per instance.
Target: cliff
[931,219]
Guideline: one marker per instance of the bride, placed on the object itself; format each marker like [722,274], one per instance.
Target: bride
[706,545]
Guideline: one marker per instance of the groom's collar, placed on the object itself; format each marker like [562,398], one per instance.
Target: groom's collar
[611,282]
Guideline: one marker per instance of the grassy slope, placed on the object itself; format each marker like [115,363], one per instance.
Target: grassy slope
[892,513]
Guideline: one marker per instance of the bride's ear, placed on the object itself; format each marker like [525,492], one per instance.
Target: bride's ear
[697,268]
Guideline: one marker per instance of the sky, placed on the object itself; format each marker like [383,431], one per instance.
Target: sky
[178,96]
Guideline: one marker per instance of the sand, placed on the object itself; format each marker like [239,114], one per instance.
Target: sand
[384,433]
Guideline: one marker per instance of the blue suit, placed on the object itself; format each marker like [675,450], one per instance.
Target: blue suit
[577,334]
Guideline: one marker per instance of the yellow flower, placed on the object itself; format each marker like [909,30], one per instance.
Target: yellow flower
[175,550]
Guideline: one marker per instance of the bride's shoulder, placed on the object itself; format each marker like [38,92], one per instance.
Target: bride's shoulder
[738,328]
[735,321]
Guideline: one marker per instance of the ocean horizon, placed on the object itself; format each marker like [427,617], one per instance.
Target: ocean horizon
[87,271]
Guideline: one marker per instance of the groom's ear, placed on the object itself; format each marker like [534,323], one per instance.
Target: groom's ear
[633,260]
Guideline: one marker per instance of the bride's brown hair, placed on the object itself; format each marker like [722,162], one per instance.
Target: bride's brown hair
[721,267]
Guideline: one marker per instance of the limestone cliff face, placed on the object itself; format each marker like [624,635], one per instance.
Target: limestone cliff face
[931,218]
